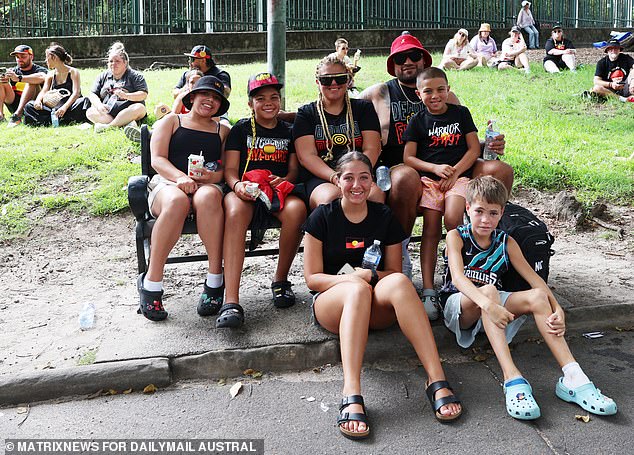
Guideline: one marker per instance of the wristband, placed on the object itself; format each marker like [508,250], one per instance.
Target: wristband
[234,185]
[333,175]
[19,78]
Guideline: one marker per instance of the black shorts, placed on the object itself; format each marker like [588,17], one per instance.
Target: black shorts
[14,106]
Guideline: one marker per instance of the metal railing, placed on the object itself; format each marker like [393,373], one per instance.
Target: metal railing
[33,18]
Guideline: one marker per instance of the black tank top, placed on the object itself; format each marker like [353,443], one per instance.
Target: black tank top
[403,105]
[185,142]
[67,84]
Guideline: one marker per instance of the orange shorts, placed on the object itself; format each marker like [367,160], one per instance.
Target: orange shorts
[434,199]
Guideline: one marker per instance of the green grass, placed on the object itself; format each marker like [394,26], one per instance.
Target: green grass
[555,139]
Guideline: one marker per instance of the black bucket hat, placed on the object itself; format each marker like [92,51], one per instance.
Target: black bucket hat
[213,84]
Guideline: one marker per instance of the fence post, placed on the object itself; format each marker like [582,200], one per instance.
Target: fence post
[260,16]
[209,26]
[141,13]
[276,41]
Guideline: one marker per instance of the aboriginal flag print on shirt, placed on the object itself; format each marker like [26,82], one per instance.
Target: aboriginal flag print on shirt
[270,150]
[352,243]
[441,138]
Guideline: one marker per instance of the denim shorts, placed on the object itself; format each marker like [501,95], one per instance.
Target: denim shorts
[466,337]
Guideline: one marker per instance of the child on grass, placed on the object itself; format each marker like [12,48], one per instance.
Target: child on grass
[479,254]
[441,143]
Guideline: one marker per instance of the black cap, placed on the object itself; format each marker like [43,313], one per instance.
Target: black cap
[613,43]
[200,51]
[22,49]
[557,26]
[213,84]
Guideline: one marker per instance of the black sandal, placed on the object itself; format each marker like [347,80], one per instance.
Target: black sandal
[283,295]
[440,402]
[210,300]
[231,316]
[348,417]
[150,303]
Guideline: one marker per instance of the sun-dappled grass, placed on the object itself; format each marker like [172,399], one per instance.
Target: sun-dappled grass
[555,139]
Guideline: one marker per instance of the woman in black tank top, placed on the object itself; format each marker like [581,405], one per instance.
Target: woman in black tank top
[175,192]
[70,108]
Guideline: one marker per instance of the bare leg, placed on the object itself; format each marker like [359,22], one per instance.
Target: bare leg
[96,116]
[396,299]
[570,61]
[291,217]
[345,309]
[495,168]
[454,211]
[171,207]
[210,220]
[134,112]
[404,196]
[323,194]
[238,214]
[432,230]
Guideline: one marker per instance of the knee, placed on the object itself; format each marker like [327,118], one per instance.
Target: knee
[176,205]
[539,302]
[490,291]
[359,297]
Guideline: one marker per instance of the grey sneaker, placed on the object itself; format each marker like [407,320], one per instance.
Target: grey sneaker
[14,121]
[430,302]
[407,262]
[133,133]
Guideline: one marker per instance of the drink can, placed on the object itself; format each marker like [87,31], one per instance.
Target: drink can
[195,164]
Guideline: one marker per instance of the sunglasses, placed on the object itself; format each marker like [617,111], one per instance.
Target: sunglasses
[339,79]
[414,56]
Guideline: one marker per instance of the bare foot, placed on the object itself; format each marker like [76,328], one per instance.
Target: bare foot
[354,425]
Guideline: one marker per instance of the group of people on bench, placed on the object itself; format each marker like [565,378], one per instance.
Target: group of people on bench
[323,164]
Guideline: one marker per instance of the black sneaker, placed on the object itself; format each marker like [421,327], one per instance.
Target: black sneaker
[150,303]
[283,295]
[210,300]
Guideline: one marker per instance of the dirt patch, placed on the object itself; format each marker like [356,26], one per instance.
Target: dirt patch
[67,260]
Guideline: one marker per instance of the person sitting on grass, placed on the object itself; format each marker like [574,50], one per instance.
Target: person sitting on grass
[614,75]
[174,193]
[348,300]
[442,144]
[458,54]
[118,95]
[327,128]
[484,45]
[479,255]
[261,142]
[70,108]
[560,52]
[514,52]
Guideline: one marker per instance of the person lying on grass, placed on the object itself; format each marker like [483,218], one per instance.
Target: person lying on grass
[479,255]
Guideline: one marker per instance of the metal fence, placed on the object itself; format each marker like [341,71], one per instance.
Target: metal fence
[24,18]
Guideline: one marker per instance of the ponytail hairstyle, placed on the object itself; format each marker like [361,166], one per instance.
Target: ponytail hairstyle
[350,157]
[59,52]
[117,48]
[333,60]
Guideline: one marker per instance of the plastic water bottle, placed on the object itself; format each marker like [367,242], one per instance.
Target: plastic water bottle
[372,256]
[54,118]
[383,178]
[87,316]
[489,134]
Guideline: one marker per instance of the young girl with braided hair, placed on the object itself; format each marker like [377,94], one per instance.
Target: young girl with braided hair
[261,142]
[333,125]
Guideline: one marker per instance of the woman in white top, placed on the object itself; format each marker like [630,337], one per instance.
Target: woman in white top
[514,52]
[526,22]
[484,45]
[458,53]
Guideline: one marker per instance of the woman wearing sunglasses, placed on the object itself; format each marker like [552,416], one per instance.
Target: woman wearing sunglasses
[327,128]
[459,55]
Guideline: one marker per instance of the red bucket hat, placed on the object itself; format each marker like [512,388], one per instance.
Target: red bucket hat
[405,43]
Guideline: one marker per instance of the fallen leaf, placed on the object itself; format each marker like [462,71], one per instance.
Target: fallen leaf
[111,392]
[126,392]
[235,389]
[22,410]
[625,329]
[150,388]
[317,370]
[247,372]
[584,419]
[222,381]
[310,399]
[480,358]
[256,375]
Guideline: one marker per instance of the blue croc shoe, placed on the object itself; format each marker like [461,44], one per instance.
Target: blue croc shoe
[588,397]
[520,402]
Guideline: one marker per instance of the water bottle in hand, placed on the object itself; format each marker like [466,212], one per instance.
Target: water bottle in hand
[54,118]
[87,316]
[372,256]
[490,133]
[383,178]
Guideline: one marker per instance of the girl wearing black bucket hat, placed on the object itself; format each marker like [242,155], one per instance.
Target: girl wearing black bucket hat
[175,191]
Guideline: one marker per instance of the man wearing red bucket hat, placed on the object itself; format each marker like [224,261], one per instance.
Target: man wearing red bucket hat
[396,101]
[20,84]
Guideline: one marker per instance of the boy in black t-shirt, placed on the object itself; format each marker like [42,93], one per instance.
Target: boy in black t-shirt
[442,145]
[615,73]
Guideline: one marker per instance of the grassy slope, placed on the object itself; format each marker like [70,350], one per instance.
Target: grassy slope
[555,139]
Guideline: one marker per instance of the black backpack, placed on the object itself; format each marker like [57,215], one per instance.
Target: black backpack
[534,240]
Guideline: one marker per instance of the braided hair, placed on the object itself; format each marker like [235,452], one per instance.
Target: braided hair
[333,60]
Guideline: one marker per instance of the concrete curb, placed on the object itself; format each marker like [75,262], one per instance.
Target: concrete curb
[162,371]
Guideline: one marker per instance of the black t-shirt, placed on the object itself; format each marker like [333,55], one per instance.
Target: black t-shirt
[441,138]
[404,103]
[307,123]
[272,146]
[617,70]
[561,45]
[344,241]
[131,81]
[223,76]
[18,87]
